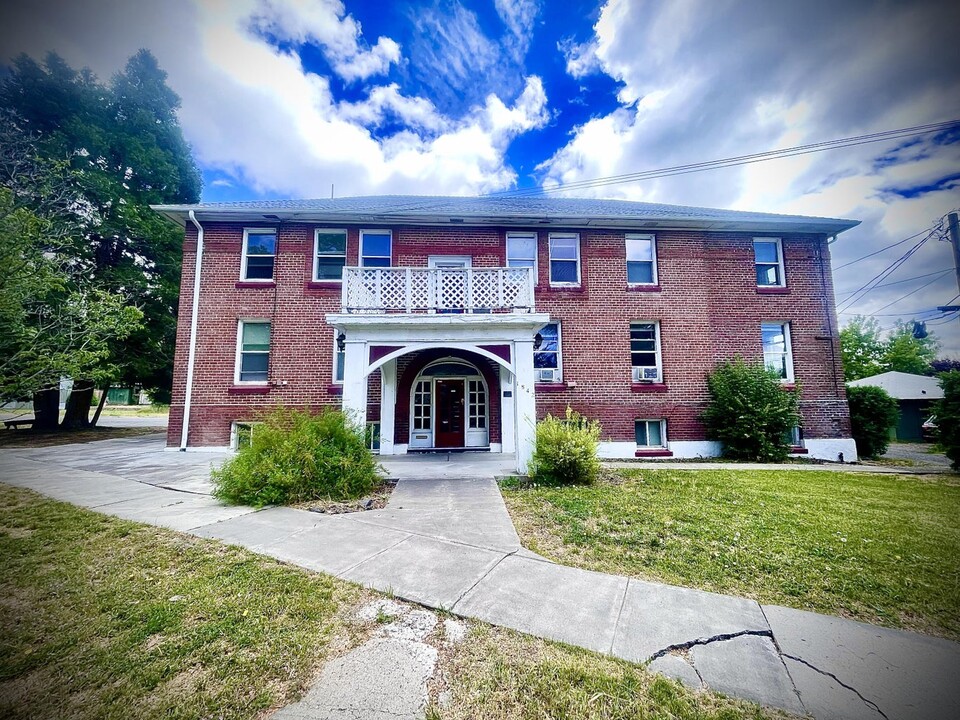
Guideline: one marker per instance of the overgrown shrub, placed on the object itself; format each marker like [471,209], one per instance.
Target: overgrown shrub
[948,416]
[566,451]
[750,412]
[872,414]
[294,456]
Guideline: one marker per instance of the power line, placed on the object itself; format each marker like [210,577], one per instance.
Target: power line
[883,249]
[738,160]
[918,289]
[900,282]
[883,274]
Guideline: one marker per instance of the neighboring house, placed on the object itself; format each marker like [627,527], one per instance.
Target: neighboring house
[458,322]
[915,395]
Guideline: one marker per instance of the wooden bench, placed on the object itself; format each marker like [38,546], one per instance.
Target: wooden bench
[14,424]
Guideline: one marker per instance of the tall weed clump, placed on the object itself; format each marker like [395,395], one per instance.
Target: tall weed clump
[873,414]
[295,456]
[750,411]
[566,450]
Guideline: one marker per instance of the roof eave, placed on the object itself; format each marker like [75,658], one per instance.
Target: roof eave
[825,226]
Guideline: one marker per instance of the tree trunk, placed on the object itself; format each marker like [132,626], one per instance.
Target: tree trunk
[46,410]
[103,400]
[76,416]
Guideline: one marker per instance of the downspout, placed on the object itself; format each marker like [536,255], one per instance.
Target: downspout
[192,354]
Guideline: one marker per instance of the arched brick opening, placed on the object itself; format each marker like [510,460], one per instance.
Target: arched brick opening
[409,367]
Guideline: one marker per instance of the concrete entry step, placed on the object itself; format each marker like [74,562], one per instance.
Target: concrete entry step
[447,465]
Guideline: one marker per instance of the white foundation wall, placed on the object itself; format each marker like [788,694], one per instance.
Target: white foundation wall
[821,449]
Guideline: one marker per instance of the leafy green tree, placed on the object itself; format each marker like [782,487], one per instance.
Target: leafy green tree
[124,150]
[861,348]
[906,353]
[948,416]
[873,413]
[750,412]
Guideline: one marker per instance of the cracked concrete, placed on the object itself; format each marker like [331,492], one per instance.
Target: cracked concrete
[450,544]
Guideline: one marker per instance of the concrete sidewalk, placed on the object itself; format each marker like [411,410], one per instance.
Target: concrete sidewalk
[450,544]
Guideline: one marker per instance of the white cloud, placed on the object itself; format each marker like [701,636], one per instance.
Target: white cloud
[257,117]
[519,17]
[325,23]
[704,80]
[581,58]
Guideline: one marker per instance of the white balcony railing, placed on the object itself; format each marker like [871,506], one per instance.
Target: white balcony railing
[437,290]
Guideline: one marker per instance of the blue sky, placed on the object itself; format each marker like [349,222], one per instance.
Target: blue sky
[284,98]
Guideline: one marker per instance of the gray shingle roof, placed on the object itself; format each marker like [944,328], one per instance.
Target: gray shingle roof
[903,386]
[506,210]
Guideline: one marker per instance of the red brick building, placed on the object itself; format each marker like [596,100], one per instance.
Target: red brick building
[456,322]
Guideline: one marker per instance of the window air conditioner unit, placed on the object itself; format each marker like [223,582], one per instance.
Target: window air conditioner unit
[547,374]
[646,374]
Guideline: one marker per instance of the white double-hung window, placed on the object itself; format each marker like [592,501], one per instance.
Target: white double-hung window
[777,350]
[645,352]
[564,259]
[546,357]
[641,260]
[329,254]
[253,352]
[768,262]
[259,253]
[522,251]
[376,248]
[650,434]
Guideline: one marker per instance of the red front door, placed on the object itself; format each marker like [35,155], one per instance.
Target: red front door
[450,412]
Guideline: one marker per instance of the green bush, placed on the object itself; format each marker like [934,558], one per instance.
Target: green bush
[566,451]
[295,456]
[948,416]
[872,413]
[750,412]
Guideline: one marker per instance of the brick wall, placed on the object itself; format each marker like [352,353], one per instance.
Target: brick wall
[707,303]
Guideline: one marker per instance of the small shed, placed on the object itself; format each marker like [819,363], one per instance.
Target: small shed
[915,394]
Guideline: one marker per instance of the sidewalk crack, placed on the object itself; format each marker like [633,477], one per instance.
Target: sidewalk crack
[841,683]
[480,579]
[616,625]
[708,640]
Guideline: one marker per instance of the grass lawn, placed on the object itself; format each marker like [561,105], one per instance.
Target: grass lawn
[103,618]
[499,674]
[878,548]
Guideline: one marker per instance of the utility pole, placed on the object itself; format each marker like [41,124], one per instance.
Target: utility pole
[954,226]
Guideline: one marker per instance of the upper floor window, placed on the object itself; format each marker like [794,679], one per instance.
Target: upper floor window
[768,261]
[259,251]
[777,353]
[641,260]
[546,358]
[376,248]
[645,351]
[522,251]
[564,259]
[329,254]
[253,351]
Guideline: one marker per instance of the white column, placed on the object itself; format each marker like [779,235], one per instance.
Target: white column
[525,402]
[507,425]
[388,405]
[355,381]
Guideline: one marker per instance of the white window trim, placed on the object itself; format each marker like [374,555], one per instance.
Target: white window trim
[375,231]
[653,243]
[239,353]
[536,250]
[788,345]
[464,261]
[316,253]
[780,269]
[559,373]
[550,237]
[336,351]
[656,337]
[243,254]
[663,433]
[234,434]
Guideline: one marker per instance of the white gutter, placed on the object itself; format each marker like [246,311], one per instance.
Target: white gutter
[191,356]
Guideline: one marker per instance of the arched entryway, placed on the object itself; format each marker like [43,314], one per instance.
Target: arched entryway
[447,399]
[449,406]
